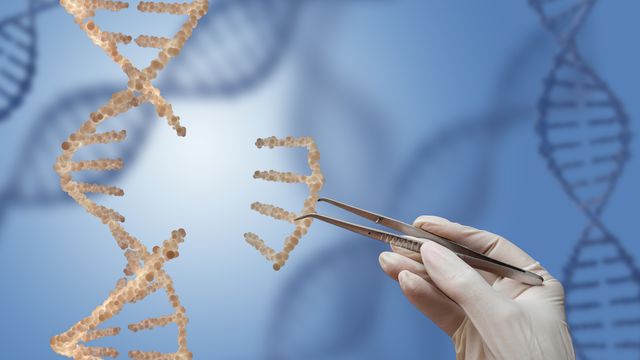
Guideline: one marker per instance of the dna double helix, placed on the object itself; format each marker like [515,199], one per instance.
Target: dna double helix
[144,273]
[585,139]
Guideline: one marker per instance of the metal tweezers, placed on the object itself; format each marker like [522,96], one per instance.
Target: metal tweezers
[414,237]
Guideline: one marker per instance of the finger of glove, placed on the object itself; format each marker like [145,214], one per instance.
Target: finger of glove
[392,264]
[484,242]
[459,281]
[407,253]
[425,296]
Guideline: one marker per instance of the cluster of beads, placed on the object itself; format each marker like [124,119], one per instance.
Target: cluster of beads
[314,182]
[144,273]
[148,277]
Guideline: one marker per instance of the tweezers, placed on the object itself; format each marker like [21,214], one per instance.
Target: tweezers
[414,238]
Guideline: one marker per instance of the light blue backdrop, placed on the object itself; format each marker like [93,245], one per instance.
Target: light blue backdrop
[418,107]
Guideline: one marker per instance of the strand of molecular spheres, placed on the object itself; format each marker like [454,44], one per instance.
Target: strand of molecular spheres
[314,182]
[585,139]
[18,58]
[144,270]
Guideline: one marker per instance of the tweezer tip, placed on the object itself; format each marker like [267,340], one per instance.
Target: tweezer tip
[323,199]
[305,216]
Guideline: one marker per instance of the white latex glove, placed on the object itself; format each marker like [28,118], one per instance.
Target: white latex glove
[487,317]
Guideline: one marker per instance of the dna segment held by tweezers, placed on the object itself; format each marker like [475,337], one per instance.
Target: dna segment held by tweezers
[314,182]
[585,139]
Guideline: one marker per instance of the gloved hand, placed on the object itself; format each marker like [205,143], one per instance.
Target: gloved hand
[487,317]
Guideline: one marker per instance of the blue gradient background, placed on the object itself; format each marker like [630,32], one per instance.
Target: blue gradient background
[372,82]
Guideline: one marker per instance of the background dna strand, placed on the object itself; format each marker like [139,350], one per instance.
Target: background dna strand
[313,181]
[241,44]
[585,138]
[17,58]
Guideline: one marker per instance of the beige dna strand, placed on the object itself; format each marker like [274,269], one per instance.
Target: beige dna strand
[144,273]
[314,182]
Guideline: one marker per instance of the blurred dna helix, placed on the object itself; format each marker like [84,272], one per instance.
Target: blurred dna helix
[242,43]
[585,139]
[18,53]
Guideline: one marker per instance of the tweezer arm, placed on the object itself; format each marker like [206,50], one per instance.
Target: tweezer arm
[413,244]
[405,242]
[416,232]
[406,228]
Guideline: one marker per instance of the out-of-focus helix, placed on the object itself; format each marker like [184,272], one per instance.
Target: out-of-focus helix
[314,182]
[145,267]
[585,139]
[240,45]
[17,59]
